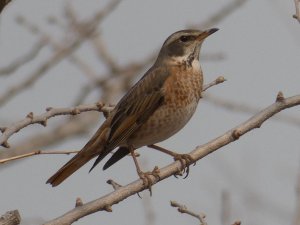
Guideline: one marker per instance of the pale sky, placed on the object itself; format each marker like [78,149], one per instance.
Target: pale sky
[260,42]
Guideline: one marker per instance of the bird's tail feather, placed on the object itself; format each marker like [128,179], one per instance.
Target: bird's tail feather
[69,168]
[96,146]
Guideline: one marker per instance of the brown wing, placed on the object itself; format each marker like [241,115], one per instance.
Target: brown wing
[134,108]
[137,106]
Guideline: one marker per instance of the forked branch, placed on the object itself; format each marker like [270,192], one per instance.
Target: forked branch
[125,191]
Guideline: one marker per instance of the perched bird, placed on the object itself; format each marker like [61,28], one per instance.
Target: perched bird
[154,109]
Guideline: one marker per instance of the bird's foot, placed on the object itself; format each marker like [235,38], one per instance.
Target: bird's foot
[147,179]
[185,161]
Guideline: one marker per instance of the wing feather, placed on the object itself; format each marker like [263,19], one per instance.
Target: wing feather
[137,106]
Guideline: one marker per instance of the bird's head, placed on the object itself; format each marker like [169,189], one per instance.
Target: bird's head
[183,45]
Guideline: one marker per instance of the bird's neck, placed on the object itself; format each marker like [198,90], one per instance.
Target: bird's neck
[188,61]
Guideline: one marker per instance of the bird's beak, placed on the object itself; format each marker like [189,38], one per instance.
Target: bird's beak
[206,33]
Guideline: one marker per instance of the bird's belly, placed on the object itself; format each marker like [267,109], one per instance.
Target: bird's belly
[164,123]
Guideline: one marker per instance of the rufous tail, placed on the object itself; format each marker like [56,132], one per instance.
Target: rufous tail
[95,147]
[69,168]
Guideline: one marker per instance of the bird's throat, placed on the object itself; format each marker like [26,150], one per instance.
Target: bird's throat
[189,61]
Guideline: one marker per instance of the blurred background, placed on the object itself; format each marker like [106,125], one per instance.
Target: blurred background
[66,53]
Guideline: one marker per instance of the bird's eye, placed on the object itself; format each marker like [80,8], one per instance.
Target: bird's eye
[184,38]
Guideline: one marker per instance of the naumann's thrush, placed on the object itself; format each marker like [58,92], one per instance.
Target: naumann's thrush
[154,109]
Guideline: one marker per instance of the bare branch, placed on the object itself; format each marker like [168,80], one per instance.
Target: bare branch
[297,208]
[42,119]
[114,184]
[7,132]
[225,207]
[219,80]
[42,69]
[103,53]
[38,152]
[246,108]
[125,191]
[59,55]
[149,210]
[221,14]
[33,28]
[106,11]
[33,52]
[183,209]
[65,129]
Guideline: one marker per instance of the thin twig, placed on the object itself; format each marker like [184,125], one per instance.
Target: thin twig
[72,127]
[59,55]
[134,187]
[297,202]
[183,209]
[38,152]
[79,62]
[114,184]
[42,119]
[96,39]
[246,108]
[220,15]
[7,132]
[103,54]
[217,81]
[225,207]
[42,69]
[33,52]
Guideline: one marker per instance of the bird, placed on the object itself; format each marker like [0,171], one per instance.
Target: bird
[159,105]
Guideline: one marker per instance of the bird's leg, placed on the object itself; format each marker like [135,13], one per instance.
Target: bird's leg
[184,159]
[145,176]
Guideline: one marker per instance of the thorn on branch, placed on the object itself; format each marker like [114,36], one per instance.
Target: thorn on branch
[30,115]
[78,202]
[258,125]
[5,144]
[220,79]
[108,208]
[75,111]
[280,97]
[100,105]
[3,129]
[236,134]
[114,184]
[44,123]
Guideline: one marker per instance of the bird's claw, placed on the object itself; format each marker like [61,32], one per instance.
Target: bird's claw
[185,161]
[146,177]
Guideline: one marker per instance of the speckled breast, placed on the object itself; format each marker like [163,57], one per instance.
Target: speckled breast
[182,91]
